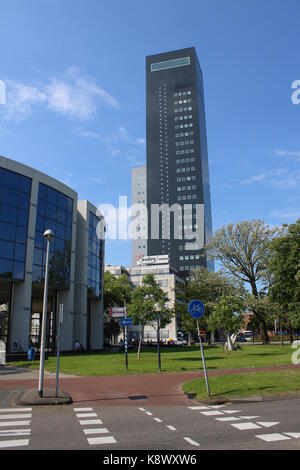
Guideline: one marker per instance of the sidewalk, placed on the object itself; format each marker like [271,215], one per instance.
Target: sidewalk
[150,389]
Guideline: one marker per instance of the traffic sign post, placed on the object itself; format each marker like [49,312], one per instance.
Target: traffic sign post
[60,320]
[126,340]
[196,309]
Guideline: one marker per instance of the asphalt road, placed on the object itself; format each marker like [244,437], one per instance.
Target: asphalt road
[273,425]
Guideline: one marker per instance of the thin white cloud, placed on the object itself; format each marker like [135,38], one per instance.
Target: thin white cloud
[289,214]
[119,144]
[75,96]
[278,178]
[291,154]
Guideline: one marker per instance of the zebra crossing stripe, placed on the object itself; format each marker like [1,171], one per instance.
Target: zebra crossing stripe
[14,423]
[243,426]
[96,431]
[14,443]
[86,415]
[14,432]
[16,416]
[199,408]
[295,435]
[228,418]
[14,410]
[101,440]
[83,409]
[273,437]
[85,422]
[211,413]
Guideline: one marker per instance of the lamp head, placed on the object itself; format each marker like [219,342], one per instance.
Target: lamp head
[48,234]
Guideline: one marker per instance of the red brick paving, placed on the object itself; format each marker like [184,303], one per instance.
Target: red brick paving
[159,389]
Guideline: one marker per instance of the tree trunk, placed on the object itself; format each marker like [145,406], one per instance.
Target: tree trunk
[140,343]
[281,336]
[291,336]
[262,324]
[264,332]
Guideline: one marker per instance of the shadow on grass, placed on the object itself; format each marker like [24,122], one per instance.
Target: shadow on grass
[196,359]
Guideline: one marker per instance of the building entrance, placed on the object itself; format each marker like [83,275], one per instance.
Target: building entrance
[36,323]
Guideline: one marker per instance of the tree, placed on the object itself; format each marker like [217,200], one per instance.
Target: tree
[117,292]
[244,250]
[147,302]
[284,266]
[227,315]
[209,287]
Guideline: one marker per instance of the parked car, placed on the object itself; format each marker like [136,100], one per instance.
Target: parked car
[241,338]
[248,336]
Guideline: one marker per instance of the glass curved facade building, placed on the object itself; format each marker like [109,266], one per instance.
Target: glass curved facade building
[30,203]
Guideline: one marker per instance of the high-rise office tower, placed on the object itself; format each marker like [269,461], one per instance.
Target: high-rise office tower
[139,198]
[177,161]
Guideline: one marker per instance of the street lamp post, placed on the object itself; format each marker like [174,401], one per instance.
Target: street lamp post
[48,235]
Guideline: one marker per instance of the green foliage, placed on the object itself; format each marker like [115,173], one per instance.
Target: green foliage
[284,266]
[209,287]
[147,302]
[227,314]
[117,292]
[244,251]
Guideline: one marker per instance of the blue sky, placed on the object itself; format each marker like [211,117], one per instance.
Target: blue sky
[75,81]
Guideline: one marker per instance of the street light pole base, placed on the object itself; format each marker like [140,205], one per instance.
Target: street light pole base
[41,393]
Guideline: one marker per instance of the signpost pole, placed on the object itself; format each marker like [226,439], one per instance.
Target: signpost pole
[203,361]
[125,338]
[60,320]
[158,342]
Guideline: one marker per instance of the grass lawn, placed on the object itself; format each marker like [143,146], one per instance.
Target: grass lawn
[246,385]
[173,360]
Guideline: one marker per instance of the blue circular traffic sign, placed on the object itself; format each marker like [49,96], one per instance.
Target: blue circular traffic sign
[196,309]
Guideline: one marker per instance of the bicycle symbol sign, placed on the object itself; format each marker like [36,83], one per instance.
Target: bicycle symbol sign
[196,309]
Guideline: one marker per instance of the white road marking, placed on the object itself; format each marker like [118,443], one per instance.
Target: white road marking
[101,440]
[15,432]
[158,420]
[84,422]
[86,415]
[96,431]
[171,428]
[142,409]
[231,411]
[83,409]
[267,424]
[243,426]
[148,413]
[211,413]
[20,416]
[272,437]
[14,410]
[248,417]
[216,407]
[15,423]
[14,443]
[228,418]
[190,441]
[295,435]
[199,408]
